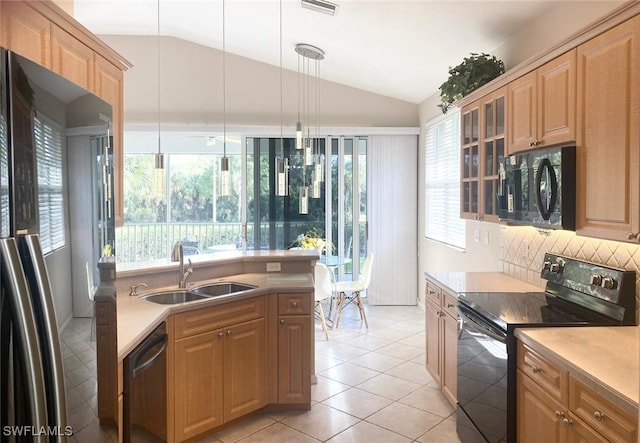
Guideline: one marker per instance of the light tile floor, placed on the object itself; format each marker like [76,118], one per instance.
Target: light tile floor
[372,387]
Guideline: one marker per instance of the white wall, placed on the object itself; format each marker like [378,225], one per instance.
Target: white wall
[191,90]
[559,23]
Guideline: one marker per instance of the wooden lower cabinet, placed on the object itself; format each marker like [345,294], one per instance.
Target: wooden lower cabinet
[441,330]
[555,407]
[221,370]
[219,375]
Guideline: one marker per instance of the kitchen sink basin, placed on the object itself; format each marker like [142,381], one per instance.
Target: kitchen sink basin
[173,297]
[218,289]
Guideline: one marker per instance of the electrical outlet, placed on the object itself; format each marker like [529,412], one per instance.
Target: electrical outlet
[476,235]
[274,267]
[525,249]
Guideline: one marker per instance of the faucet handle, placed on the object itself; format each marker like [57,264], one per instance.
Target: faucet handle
[134,288]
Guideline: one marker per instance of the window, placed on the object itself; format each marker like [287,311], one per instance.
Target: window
[48,139]
[442,180]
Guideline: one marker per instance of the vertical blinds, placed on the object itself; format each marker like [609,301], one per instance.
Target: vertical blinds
[48,138]
[442,180]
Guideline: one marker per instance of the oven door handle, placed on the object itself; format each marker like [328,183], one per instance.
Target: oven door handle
[477,328]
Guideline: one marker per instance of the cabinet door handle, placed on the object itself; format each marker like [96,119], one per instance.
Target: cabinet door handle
[599,415]
[559,414]
[449,305]
[567,422]
[228,331]
[281,322]
[536,369]
[220,334]
[294,304]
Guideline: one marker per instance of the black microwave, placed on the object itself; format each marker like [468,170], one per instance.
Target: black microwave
[538,188]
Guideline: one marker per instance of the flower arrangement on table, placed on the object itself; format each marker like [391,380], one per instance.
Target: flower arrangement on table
[312,239]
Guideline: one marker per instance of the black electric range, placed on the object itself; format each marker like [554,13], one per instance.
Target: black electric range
[577,293]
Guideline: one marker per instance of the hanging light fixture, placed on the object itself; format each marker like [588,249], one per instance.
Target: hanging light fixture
[225,174]
[298,123]
[282,163]
[308,52]
[159,175]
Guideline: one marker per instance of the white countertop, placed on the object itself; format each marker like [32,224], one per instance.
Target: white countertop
[137,317]
[481,282]
[606,356]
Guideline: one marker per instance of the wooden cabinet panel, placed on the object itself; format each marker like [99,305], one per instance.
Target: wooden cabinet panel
[608,134]
[601,414]
[450,358]
[26,32]
[522,112]
[199,384]
[557,100]
[550,409]
[539,415]
[294,368]
[483,150]
[542,105]
[441,335]
[294,304]
[244,368]
[204,320]
[432,349]
[71,58]
[554,381]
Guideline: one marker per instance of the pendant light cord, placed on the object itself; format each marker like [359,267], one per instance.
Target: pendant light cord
[158,85]
[224,84]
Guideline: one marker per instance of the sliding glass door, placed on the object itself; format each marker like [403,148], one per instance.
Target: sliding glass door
[348,203]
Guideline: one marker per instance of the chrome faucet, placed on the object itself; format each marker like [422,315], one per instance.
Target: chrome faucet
[177,254]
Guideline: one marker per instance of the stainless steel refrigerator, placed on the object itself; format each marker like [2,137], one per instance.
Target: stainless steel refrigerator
[32,391]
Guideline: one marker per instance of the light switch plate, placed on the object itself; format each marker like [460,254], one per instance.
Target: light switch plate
[274,267]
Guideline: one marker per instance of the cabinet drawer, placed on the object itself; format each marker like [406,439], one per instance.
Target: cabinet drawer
[214,317]
[433,293]
[601,414]
[294,304]
[449,304]
[543,372]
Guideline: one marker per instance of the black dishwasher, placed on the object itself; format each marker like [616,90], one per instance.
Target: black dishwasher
[145,394]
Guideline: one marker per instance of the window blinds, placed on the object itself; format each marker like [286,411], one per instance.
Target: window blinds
[442,180]
[48,139]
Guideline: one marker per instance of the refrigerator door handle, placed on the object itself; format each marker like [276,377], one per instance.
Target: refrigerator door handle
[44,310]
[26,338]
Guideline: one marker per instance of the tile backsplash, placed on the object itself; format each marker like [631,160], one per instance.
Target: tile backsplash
[523,250]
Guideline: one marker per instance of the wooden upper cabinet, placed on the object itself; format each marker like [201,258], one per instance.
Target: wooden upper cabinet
[608,134]
[483,149]
[557,100]
[26,32]
[542,105]
[72,59]
[522,112]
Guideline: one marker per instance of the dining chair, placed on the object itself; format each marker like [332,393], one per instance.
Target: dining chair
[349,291]
[323,288]
[91,291]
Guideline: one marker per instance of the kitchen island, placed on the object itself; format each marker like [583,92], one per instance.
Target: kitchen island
[275,316]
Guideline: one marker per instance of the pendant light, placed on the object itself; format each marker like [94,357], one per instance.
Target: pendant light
[159,173]
[282,163]
[299,123]
[225,174]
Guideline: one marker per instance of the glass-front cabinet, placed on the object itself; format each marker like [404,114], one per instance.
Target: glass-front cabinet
[483,151]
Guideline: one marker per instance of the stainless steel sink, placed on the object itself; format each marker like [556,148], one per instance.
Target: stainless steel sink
[173,297]
[218,289]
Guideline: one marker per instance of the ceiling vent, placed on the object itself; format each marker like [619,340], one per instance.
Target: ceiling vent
[320,6]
